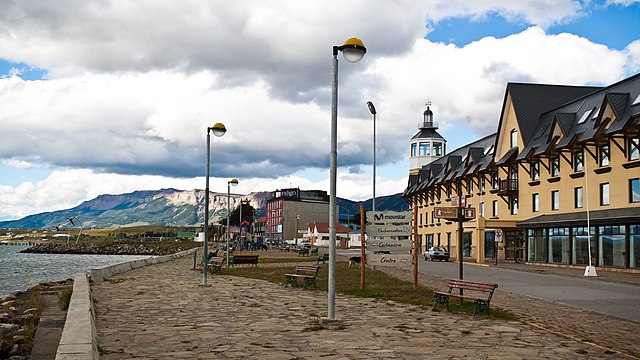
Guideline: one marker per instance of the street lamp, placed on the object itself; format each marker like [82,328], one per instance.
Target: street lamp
[233,182]
[372,109]
[218,130]
[352,50]
[296,234]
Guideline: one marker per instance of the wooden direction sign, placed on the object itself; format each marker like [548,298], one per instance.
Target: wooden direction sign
[445,212]
[389,245]
[389,217]
[388,230]
[396,260]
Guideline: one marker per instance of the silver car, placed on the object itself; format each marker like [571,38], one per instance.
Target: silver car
[436,253]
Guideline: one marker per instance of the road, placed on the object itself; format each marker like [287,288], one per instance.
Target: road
[608,298]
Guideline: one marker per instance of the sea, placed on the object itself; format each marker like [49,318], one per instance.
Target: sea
[19,271]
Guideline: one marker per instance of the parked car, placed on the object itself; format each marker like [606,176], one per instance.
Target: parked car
[436,253]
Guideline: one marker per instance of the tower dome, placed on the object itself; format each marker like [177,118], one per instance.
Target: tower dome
[427,145]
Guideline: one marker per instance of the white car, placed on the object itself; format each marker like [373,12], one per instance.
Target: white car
[436,253]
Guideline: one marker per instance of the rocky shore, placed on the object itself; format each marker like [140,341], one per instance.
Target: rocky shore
[105,249]
[19,317]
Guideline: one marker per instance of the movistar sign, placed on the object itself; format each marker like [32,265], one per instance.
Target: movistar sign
[389,217]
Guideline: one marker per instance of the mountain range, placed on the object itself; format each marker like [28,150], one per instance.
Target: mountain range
[166,207]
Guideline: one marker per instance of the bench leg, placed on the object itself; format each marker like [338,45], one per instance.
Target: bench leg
[290,280]
[440,299]
[309,282]
[480,305]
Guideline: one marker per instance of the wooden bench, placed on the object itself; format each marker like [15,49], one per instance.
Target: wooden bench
[307,273]
[479,293]
[243,259]
[215,265]
[303,252]
[323,258]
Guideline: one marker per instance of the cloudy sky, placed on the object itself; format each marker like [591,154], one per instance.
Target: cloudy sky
[114,96]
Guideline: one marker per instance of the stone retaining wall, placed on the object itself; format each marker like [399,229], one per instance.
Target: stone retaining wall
[79,337]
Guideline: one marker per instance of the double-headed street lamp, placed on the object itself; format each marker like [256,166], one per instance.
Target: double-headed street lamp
[218,130]
[233,182]
[372,109]
[352,50]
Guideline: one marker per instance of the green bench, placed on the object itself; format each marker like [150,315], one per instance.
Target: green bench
[314,251]
[479,293]
[307,273]
[323,258]
[215,265]
[303,252]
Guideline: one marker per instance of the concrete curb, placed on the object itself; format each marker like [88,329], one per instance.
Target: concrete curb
[79,337]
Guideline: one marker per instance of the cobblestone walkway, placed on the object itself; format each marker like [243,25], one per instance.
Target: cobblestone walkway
[160,312]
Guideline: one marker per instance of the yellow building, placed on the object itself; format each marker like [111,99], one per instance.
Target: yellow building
[563,167]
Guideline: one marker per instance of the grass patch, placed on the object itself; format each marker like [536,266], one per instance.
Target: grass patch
[378,285]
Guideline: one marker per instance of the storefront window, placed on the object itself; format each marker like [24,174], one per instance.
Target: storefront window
[634,243]
[559,245]
[536,245]
[581,247]
[429,238]
[489,245]
[611,246]
[466,244]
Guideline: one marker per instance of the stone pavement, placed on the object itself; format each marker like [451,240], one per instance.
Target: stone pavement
[160,312]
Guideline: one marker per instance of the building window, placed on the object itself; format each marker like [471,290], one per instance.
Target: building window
[495,180]
[634,190]
[514,205]
[469,187]
[578,197]
[578,161]
[634,244]
[559,245]
[437,149]
[604,155]
[414,149]
[536,245]
[611,246]
[555,166]
[555,200]
[424,149]
[449,190]
[482,209]
[495,208]
[514,138]
[581,238]
[535,200]
[481,179]
[634,148]
[604,194]
[535,170]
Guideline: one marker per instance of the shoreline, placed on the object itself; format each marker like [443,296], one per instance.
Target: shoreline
[103,249]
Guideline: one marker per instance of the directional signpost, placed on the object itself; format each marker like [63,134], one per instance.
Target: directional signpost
[389,242]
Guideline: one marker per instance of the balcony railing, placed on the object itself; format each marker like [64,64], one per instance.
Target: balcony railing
[508,187]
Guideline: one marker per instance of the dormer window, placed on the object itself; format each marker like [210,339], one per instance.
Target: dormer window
[514,138]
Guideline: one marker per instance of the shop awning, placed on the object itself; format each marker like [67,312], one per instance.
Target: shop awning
[596,218]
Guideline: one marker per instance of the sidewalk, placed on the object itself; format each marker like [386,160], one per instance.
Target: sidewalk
[160,312]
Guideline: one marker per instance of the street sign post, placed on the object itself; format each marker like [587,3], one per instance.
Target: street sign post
[469,213]
[396,260]
[389,245]
[446,213]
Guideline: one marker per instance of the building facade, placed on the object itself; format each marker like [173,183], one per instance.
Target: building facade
[560,177]
[291,208]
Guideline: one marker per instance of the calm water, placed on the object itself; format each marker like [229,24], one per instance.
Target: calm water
[19,271]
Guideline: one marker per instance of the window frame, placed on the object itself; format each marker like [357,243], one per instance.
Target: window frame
[631,193]
[494,208]
[513,202]
[578,161]
[578,201]
[535,202]
[634,148]
[605,199]
[554,169]
[414,149]
[555,200]
[513,138]
[535,170]
[604,155]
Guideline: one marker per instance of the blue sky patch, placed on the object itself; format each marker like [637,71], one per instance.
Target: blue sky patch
[25,72]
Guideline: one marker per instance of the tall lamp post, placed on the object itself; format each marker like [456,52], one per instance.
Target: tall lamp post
[233,182]
[372,109]
[353,50]
[218,130]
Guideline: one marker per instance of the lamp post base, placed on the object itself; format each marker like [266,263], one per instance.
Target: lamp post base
[590,271]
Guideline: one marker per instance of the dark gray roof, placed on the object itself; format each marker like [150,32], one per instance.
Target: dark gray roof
[530,101]
[598,217]
[427,133]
